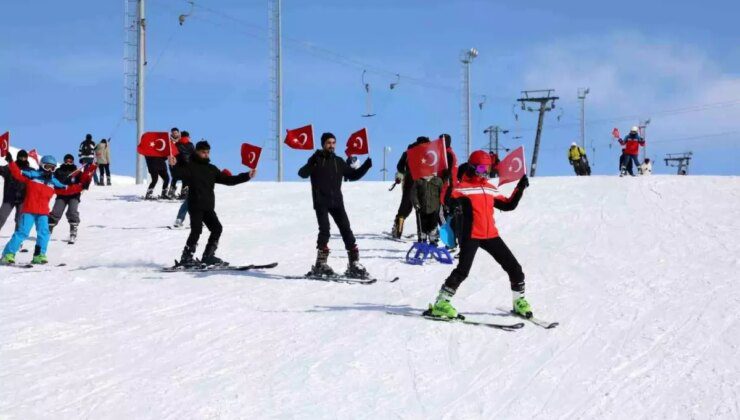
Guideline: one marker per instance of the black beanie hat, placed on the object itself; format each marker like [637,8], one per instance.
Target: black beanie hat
[202,145]
[88,136]
[327,136]
[69,157]
[422,140]
[21,154]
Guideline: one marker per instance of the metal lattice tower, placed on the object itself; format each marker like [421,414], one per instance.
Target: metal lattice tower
[130,57]
[276,86]
[680,161]
[546,100]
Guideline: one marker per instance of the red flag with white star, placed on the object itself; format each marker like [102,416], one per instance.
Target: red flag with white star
[4,144]
[427,159]
[155,144]
[357,143]
[251,155]
[300,138]
[512,167]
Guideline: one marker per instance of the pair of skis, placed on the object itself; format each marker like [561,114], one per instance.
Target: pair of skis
[462,320]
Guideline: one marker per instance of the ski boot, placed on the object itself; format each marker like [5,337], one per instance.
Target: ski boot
[183,193]
[321,268]
[178,223]
[442,307]
[397,229]
[171,193]
[354,268]
[209,256]
[186,259]
[72,234]
[522,308]
[39,259]
[108,182]
[164,195]
[8,259]
[149,194]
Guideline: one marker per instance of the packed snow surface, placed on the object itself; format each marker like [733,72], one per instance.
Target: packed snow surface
[641,273]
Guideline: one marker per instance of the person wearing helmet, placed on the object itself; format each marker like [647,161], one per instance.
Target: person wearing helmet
[631,143]
[13,191]
[579,161]
[473,201]
[41,185]
[68,200]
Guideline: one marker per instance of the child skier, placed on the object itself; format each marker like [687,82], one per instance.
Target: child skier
[473,201]
[41,185]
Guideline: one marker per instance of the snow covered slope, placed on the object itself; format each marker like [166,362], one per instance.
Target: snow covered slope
[642,274]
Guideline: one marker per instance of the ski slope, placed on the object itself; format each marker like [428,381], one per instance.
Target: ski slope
[641,273]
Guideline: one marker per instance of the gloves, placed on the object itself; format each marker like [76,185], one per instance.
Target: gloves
[369,162]
[399,177]
[226,172]
[523,183]
[8,158]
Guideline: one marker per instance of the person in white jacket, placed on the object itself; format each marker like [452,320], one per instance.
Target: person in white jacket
[646,168]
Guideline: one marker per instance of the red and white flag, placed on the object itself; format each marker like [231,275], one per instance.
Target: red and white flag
[300,138]
[615,133]
[427,159]
[33,154]
[357,143]
[155,144]
[4,144]
[513,167]
[250,155]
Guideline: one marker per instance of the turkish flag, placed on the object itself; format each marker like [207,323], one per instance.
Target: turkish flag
[154,144]
[427,159]
[300,138]
[4,144]
[250,155]
[33,154]
[357,143]
[615,133]
[512,167]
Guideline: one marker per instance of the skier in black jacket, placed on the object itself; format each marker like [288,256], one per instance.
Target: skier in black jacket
[327,171]
[201,177]
[13,191]
[68,174]
[403,175]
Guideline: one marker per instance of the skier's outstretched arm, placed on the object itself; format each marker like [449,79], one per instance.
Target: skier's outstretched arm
[222,178]
[354,174]
[307,169]
[509,203]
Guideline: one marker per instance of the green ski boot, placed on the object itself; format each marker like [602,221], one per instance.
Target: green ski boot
[443,309]
[522,308]
[8,259]
[39,259]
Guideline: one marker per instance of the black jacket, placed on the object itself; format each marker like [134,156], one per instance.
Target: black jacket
[13,191]
[156,164]
[201,177]
[63,173]
[327,171]
[87,149]
[184,152]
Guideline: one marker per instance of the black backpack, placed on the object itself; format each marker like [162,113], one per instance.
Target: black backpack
[87,148]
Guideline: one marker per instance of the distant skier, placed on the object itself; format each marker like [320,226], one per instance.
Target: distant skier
[201,176]
[403,176]
[182,142]
[68,200]
[327,171]
[631,143]
[578,159]
[14,191]
[646,168]
[185,151]
[41,185]
[473,201]
[157,167]
[102,159]
[86,153]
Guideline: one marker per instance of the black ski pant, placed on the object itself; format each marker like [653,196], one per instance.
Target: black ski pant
[404,209]
[104,169]
[342,221]
[428,222]
[5,210]
[71,204]
[200,217]
[498,250]
[173,184]
[156,172]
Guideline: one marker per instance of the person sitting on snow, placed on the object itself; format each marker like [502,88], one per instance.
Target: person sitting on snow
[646,168]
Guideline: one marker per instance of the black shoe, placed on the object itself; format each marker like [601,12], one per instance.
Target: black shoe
[210,258]
[186,259]
[354,268]
[321,268]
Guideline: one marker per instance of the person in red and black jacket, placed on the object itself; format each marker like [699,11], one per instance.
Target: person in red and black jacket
[473,201]
[631,143]
[13,191]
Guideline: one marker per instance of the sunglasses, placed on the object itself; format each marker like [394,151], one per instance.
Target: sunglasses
[481,169]
[48,167]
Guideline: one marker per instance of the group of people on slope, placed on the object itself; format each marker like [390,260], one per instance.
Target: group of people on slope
[90,152]
[158,168]
[630,152]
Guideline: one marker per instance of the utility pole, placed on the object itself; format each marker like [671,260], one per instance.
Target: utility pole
[386,150]
[140,66]
[277,83]
[466,58]
[493,132]
[643,132]
[547,103]
[582,92]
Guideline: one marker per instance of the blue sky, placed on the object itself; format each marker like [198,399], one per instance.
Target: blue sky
[62,75]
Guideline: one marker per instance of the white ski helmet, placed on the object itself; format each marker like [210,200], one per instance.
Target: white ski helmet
[634,129]
[573,144]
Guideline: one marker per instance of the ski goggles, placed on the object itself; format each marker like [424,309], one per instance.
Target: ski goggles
[48,167]
[482,170]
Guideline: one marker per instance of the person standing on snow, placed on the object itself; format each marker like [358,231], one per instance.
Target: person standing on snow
[69,200]
[185,151]
[14,191]
[157,167]
[449,176]
[41,185]
[474,200]
[577,158]
[86,153]
[403,176]
[102,158]
[327,170]
[631,143]
[201,176]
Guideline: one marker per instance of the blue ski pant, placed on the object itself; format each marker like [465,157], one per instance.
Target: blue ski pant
[183,210]
[28,220]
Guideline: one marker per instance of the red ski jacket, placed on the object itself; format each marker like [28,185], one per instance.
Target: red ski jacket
[632,144]
[478,197]
[40,189]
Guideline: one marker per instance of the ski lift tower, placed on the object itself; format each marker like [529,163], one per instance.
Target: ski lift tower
[680,161]
[466,58]
[134,62]
[547,103]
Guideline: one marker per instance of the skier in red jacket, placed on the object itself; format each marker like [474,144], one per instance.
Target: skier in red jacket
[631,143]
[473,200]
